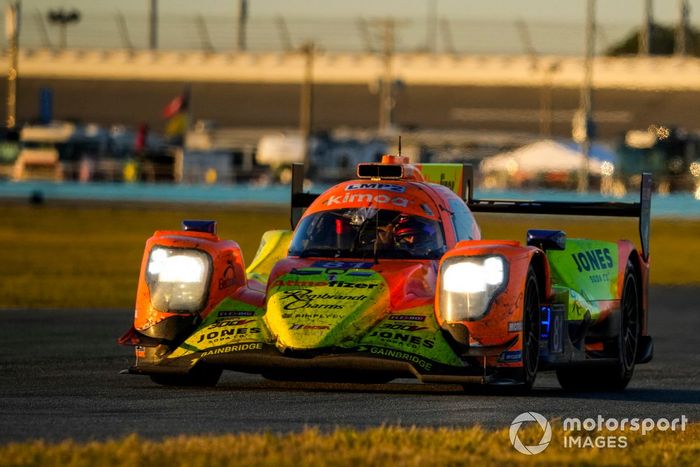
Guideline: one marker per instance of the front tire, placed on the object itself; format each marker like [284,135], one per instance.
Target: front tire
[612,377]
[531,331]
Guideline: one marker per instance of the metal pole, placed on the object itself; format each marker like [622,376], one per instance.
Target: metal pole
[242,23]
[447,42]
[153,25]
[587,96]
[44,34]
[124,32]
[646,30]
[431,27]
[307,99]
[681,46]
[385,98]
[285,37]
[12,21]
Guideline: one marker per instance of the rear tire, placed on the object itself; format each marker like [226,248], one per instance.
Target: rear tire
[199,376]
[612,377]
[531,331]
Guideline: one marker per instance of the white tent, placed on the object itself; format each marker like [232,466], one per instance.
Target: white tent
[545,156]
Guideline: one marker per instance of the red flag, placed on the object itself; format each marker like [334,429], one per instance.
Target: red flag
[178,104]
[173,107]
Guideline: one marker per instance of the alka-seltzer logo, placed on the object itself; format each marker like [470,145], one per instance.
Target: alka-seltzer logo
[595,260]
[367,198]
[332,283]
[376,186]
[544,440]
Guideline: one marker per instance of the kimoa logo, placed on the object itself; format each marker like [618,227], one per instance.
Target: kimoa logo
[367,198]
[546,433]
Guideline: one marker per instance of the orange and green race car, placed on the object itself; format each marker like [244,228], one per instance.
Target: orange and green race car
[387,276]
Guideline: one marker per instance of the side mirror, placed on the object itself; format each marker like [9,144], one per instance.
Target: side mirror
[547,239]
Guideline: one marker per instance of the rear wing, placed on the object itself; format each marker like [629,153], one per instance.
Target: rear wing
[464,186]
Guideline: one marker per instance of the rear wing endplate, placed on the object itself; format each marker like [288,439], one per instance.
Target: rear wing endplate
[640,210]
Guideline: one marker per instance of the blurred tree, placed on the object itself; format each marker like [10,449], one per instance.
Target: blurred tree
[663,40]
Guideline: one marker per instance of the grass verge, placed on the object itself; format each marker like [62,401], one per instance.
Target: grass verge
[60,256]
[377,446]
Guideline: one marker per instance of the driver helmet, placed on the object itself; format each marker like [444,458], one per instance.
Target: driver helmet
[415,234]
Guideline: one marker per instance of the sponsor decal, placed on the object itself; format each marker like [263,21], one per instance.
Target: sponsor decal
[351,285]
[228,278]
[515,326]
[304,327]
[342,265]
[510,356]
[407,318]
[376,186]
[234,313]
[291,283]
[399,355]
[331,283]
[233,348]
[306,299]
[367,198]
[403,327]
[401,338]
[231,322]
[312,315]
[593,260]
[231,333]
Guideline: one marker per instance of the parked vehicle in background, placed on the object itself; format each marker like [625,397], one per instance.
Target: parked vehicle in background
[666,152]
[9,151]
[72,151]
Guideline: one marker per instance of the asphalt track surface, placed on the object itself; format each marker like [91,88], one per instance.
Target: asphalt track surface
[59,378]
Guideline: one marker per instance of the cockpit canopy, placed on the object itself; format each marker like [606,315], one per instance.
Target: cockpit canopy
[368,232]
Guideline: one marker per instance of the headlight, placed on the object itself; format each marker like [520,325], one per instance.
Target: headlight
[178,279]
[468,284]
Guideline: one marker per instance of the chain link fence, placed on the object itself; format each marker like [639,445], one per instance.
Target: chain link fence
[221,34]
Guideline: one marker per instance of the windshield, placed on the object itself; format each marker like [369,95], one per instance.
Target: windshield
[366,233]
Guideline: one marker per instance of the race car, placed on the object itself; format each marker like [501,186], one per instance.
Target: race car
[387,276]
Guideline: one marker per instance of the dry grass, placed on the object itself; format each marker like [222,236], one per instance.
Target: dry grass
[59,256]
[378,446]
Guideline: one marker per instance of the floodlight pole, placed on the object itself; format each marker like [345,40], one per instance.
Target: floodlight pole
[153,25]
[385,97]
[682,29]
[645,34]
[307,99]
[242,23]
[586,101]
[12,21]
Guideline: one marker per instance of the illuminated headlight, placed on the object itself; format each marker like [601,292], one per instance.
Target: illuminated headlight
[468,285]
[178,279]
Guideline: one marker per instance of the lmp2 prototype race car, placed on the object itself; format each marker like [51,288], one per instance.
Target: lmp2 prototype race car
[387,276]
